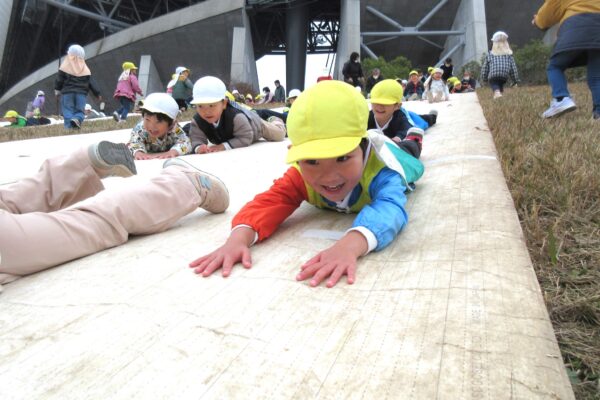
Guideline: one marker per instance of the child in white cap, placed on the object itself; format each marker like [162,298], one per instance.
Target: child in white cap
[435,87]
[180,87]
[336,165]
[158,135]
[225,124]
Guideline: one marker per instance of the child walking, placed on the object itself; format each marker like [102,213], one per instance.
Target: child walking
[127,88]
[39,232]
[158,135]
[499,64]
[336,165]
[435,88]
[224,123]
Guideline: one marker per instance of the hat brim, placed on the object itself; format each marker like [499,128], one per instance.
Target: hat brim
[385,102]
[156,111]
[323,148]
[207,100]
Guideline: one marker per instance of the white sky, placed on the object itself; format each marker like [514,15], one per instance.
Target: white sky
[272,67]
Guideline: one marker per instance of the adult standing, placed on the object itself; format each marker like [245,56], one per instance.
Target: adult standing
[72,84]
[352,70]
[448,69]
[127,89]
[279,96]
[372,80]
[577,44]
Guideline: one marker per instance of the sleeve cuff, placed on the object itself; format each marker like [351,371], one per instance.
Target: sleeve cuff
[247,226]
[227,146]
[370,236]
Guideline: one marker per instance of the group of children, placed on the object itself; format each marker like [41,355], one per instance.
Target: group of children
[343,157]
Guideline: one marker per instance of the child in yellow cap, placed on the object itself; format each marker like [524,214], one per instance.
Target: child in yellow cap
[16,120]
[337,165]
[387,115]
[127,89]
[414,87]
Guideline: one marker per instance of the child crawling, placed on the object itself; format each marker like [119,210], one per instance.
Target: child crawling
[338,165]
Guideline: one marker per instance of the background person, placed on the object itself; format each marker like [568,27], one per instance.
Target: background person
[577,44]
[279,96]
[499,64]
[126,91]
[73,83]
[352,71]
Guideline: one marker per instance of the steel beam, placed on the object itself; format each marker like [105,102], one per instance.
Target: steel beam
[415,33]
[87,14]
[431,13]
[384,17]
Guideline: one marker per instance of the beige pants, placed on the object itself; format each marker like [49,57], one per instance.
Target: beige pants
[273,131]
[36,232]
[435,97]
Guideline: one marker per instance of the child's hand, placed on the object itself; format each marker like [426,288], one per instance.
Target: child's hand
[202,149]
[339,259]
[140,155]
[215,148]
[236,249]
[168,154]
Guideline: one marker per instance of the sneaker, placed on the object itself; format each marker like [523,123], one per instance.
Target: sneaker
[559,107]
[112,159]
[212,191]
[116,116]
[596,116]
[415,134]
[434,115]
[497,94]
[75,124]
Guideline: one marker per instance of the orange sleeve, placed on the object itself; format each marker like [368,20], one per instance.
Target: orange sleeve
[269,209]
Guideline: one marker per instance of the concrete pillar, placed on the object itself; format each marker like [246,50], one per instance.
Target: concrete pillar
[243,63]
[296,33]
[5,12]
[148,77]
[349,38]
[470,17]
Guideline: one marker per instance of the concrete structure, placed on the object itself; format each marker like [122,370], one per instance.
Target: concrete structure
[218,38]
[199,37]
[450,310]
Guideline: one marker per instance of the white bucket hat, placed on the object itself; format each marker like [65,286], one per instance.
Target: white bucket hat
[499,36]
[294,93]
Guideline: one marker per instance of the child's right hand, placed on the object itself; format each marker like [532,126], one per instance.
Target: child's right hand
[140,155]
[236,249]
[202,149]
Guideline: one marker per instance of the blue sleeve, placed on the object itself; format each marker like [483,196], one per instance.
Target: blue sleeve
[385,216]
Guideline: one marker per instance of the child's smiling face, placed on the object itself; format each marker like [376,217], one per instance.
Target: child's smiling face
[334,178]
[437,76]
[383,112]
[211,112]
[156,128]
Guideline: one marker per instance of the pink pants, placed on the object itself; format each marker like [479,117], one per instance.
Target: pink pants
[36,232]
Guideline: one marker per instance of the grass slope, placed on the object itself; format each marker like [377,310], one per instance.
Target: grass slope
[553,172]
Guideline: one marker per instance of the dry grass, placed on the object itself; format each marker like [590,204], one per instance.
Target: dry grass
[553,174]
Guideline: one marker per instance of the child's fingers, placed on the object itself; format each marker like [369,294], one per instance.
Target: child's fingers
[335,276]
[212,266]
[307,272]
[351,274]
[321,274]
[228,263]
[199,260]
[312,261]
[246,258]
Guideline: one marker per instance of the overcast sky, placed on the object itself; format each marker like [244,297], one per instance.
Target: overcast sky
[273,67]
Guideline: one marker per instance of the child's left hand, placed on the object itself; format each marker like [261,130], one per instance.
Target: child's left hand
[215,148]
[336,261]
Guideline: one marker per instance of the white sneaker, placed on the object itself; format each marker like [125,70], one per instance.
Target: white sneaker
[559,107]
[497,94]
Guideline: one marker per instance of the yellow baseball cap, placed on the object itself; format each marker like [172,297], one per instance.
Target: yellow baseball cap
[328,120]
[413,72]
[128,65]
[387,92]
[229,95]
[11,114]
[430,69]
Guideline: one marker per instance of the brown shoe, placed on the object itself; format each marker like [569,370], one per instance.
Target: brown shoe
[213,192]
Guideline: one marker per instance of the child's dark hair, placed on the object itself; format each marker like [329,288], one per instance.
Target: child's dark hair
[354,56]
[159,116]
[364,144]
[266,89]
